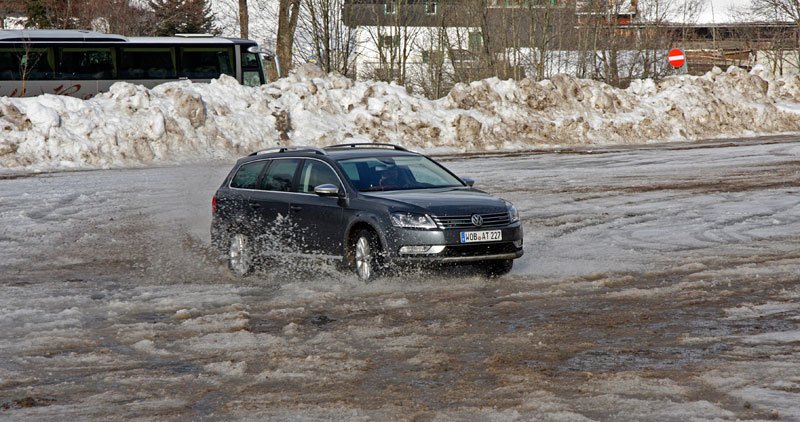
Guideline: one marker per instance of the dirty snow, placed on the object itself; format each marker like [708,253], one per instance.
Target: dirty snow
[187,122]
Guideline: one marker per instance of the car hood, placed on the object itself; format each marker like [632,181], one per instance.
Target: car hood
[440,202]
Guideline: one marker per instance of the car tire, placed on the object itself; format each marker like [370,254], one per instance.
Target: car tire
[366,253]
[499,267]
[241,260]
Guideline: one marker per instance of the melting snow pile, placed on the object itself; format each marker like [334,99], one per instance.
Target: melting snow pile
[183,121]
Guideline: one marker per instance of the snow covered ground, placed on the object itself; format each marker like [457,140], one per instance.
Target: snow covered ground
[184,122]
[659,283]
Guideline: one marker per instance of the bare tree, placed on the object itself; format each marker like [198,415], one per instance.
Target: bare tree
[391,41]
[322,30]
[778,48]
[288,15]
[117,16]
[244,19]
[552,27]
[776,10]
[28,60]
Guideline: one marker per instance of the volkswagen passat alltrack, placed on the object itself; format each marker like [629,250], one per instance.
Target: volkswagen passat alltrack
[374,205]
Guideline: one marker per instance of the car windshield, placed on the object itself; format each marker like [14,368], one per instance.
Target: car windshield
[397,173]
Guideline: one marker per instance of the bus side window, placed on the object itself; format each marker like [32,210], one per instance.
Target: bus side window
[25,64]
[9,69]
[147,63]
[206,62]
[252,73]
[86,63]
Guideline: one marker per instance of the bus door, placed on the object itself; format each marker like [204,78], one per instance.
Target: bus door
[252,70]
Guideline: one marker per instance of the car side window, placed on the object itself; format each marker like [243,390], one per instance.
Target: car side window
[280,175]
[317,173]
[247,175]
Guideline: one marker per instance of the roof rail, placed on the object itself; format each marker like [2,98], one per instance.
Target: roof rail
[297,148]
[367,145]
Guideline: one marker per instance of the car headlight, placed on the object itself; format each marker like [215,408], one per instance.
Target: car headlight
[412,221]
[512,212]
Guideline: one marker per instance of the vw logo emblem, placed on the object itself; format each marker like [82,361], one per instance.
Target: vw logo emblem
[477,220]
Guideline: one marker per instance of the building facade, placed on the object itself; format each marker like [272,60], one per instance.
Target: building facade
[429,45]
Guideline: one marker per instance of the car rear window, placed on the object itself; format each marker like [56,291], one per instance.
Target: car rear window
[247,175]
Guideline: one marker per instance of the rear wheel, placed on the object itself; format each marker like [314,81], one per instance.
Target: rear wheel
[499,267]
[240,255]
[366,250]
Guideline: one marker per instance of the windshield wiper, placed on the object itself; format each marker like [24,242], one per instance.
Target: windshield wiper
[380,189]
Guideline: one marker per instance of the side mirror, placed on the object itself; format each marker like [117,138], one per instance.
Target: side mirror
[468,181]
[327,190]
[268,54]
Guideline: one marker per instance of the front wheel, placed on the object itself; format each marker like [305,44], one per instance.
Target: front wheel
[366,251]
[498,268]
[240,255]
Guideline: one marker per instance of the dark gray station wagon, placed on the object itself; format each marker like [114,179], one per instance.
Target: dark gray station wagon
[374,205]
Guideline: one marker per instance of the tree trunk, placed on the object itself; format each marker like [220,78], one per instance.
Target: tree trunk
[244,19]
[288,13]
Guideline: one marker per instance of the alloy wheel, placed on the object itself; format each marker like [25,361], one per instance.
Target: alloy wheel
[364,258]
[239,259]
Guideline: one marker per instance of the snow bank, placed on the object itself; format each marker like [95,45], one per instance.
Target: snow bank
[183,121]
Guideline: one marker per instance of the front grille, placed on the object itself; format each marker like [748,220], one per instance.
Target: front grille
[479,249]
[465,221]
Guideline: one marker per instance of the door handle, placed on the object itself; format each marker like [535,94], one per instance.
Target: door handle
[295,208]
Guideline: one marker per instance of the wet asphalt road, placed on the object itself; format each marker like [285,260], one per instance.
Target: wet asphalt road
[659,282]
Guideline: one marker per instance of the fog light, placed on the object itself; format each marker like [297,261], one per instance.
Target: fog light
[409,250]
[518,243]
[421,249]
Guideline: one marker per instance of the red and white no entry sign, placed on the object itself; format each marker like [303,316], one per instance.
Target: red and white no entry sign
[676,58]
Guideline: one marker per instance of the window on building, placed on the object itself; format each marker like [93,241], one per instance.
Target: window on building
[432,56]
[389,41]
[475,41]
[388,73]
[390,7]
[430,7]
[462,56]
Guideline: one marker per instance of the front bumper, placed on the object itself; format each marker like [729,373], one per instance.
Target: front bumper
[449,247]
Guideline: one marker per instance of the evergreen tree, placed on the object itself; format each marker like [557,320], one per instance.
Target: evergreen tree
[182,16]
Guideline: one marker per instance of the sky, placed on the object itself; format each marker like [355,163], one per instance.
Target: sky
[719,11]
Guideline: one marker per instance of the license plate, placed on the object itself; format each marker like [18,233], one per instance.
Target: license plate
[482,236]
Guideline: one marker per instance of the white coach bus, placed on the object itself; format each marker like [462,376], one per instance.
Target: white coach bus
[83,63]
